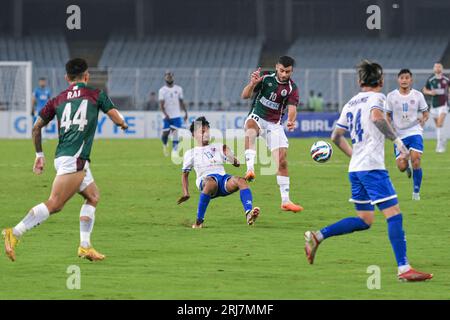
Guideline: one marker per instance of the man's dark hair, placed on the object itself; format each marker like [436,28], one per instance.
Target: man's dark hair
[370,73]
[197,122]
[286,61]
[42,79]
[404,71]
[75,68]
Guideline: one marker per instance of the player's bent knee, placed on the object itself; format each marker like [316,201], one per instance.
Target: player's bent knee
[283,164]
[242,183]
[54,206]
[416,163]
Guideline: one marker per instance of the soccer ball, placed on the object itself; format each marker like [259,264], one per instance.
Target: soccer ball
[321,151]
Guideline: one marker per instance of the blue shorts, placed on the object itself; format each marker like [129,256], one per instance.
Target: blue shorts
[370,188]
[173,123]
[414,143]
[221,184]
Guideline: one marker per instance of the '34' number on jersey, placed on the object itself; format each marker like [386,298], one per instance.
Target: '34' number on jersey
[356,130]
[79,118]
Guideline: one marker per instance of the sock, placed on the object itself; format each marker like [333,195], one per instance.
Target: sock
[398,240]
[443,138]
[344,226]
[202,205]
[250,159]
[35,217]
[438,138]
[283,182]
[86,226]
[165,139]
[417,178]
[174,145]
[246,199]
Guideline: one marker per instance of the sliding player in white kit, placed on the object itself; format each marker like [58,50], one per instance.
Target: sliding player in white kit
[407,111]
[171,101]
[363,117]
[212,180]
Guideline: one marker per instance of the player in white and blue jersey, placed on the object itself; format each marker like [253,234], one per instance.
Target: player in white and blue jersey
[407,111]
[41,95]
[364,118]
[170,98]
[212,180]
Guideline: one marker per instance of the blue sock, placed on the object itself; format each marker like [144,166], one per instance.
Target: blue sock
[246,199]
[174,145]
[397,238]
[202,205]
[347,225]
[417,178]
[165,139]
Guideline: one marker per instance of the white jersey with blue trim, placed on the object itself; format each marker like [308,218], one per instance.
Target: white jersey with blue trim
[171,97]
[367,140]
[205,160]
[406,110]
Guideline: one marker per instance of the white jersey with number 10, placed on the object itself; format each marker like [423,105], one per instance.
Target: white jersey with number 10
[367,140]
[405,110]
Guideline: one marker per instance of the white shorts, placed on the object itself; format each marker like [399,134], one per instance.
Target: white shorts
[65,165]
[436,112]
[273,133]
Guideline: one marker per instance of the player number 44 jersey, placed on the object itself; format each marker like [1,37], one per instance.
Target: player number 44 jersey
[205,160]
[367,140]
[405,111]
[76,109]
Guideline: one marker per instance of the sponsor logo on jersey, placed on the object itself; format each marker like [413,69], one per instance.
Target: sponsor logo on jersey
[412,101]
[284,93]
[269,104]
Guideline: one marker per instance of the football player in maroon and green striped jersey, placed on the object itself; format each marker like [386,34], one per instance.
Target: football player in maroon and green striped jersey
[438,87]
[76,109]
[273,94]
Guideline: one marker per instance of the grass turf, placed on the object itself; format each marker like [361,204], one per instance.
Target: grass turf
[152,253]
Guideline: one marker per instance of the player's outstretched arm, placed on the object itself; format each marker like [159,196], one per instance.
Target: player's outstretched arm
[185,184]
[117,118]
[39,162]
[339,140]
[230,157]
[377,117]
[255,78]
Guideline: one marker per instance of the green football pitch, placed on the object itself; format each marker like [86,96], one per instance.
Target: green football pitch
[152,252]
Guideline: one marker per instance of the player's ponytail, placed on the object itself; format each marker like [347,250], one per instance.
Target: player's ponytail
[370,74]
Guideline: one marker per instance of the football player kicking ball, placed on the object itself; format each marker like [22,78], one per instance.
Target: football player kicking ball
[212,180]
[76,109]
[274,94]
[407,111]
[363,116]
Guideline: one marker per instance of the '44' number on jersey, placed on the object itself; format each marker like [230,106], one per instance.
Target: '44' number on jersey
[79,118]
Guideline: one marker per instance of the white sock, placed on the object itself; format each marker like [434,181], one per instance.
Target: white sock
[35,217]
[438,138]
[250,159]
[403,269]
[86,226]
[283,182]
[319,236]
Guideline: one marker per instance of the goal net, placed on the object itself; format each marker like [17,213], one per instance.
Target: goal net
[15,95]
[348,85]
